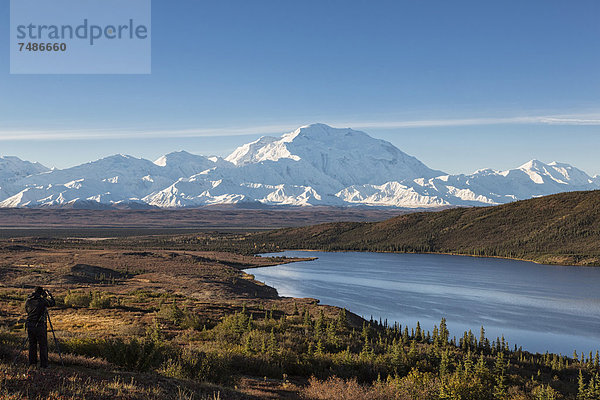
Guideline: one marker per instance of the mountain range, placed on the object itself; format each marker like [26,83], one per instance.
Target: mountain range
[314,165]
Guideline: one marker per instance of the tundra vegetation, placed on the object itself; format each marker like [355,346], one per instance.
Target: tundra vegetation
[172,317]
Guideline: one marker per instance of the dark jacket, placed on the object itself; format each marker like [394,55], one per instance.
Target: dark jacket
[36,306]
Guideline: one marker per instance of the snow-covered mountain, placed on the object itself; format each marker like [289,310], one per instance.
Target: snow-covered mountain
[113,179]
[346,155]
[305,167]
[483,187]
[13,169]
[314,165]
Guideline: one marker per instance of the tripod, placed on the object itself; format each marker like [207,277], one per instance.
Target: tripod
[55,341]
[46,315]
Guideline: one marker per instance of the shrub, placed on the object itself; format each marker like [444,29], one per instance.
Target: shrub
[200,366]
[101,300]
[191,321]
[78,299]
[232,327]
[139,355]
[336,389]
[171,312]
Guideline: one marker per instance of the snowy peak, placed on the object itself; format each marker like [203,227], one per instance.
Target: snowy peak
[561,173]
[182,164]
[346,155]
[116,159]
[321,133]
[12,168]
[178,157]
[108,167]
[533,165]
[252,152]
[313,137]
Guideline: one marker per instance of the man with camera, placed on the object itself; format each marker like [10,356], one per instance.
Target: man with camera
[37,333]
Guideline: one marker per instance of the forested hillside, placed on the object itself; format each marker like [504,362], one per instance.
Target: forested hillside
[558,229]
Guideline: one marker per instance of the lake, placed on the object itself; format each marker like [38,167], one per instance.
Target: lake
[538,307]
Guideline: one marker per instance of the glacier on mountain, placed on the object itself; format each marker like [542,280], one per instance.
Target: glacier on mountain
[314,165]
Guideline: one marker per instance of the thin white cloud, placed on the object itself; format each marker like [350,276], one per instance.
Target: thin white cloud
[570,121]
[16,135]
[83,134]
[536,120]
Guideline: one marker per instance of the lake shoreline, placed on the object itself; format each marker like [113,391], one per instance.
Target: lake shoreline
[443,253]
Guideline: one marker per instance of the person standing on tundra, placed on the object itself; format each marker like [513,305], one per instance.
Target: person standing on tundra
[36,307]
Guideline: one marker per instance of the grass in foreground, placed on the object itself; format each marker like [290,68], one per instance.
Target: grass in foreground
[308,352]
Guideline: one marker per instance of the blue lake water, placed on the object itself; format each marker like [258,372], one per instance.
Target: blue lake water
[538,307]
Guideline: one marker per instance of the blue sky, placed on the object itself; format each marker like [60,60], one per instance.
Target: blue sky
[461,85]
